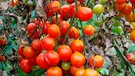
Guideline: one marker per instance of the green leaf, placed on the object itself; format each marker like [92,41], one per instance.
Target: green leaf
[0,65]
[20,72]
[131,49]
[104,71]
[36,72]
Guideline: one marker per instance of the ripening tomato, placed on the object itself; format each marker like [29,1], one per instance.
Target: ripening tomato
[77,45]
[44,26]
[120,1]
[64,13]
[47,43]
[54,6]
[35,34]
[54,31]
[64,52]
[96,61]
[31,27]
[72,9]
[130,57]
[52,57]
[54,71]
[77,59]
[65,65]
[20,50]
[84,13]
[90,72]
[64,25]
[36,44]
[74,33]
[28,52]
[73,69]
[32,61]
[25,66]
[127,10]
[70,1]
[41,62]
[79,72]
[88,30]
[54,20]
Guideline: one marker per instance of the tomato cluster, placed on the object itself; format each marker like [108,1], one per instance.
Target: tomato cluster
[56,45]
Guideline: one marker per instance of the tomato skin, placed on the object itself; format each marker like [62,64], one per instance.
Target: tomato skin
[20,50]
[65,65]
[73,69]
[36,45]
[54,71]
[77,45]
[72,9]
[132,35]
[120,1]
[90,72]
[64,13]
[81,0]
[74,33]
[35,34]
[127,10]
[25,66]
[41,62]
[79,72]
[2,58]
[70,1]
[59,19]
[84,13]
[31,27]
[33,61]
[54,31]
[54,6]
[96,61]
[64,52]
[47,43]
[52,57]
[64,25]
[44,26]
[77,59]
[36,21]
[130,57]
[88,30]
[28,52]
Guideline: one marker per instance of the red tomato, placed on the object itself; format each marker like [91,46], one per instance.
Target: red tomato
[31,27]
[41,62]
[77,45]
[25,66]
[130,57]
[64,13]
[47,43]
[84,13]
[64,52]
[74,33]
[54,6]
[20,50]
[81,0]
[52,57]
[72,9]
[36,44]
[36,21]
[44,26]
[35,34]
[70,1]
[64,25]
[54,19]
[33,61]
[54,31]
[28,52]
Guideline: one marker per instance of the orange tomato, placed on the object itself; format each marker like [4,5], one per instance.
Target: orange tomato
[77,59]
[88,30]
[73,69]
[127,10]
[54,71]
[77,45]
[120,1]
[74,32]
[96,61]
[120,6]
[79,72]
[132,35]
[90,72]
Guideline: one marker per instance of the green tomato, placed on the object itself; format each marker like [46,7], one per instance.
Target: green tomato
[117,23]
[98,22]
[30,3]
[117,30]
[103,2]
[65,65]
[98,9]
